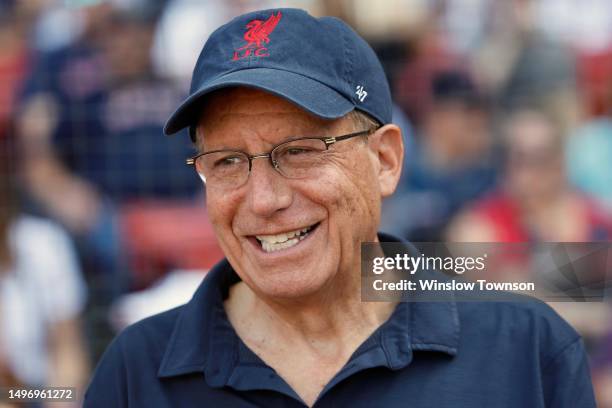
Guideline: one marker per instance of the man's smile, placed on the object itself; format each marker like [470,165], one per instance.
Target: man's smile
[284,240]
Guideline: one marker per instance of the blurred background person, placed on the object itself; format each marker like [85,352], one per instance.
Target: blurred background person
[90,125]
[96,97]
[42,295]
[535,202]
[451,162]
[42,292]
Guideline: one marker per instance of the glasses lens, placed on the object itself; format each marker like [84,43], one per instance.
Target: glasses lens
[298,158]
[226,169]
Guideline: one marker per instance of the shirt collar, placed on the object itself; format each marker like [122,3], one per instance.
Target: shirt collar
[203,339]
[202,327]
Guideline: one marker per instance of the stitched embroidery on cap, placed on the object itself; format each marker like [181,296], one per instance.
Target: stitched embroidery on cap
[256,37]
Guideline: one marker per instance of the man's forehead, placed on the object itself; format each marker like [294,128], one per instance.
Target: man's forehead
[242,101]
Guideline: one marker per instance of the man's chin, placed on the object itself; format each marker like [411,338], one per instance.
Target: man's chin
[289,285]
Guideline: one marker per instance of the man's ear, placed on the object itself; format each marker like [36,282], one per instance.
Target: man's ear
[387,144]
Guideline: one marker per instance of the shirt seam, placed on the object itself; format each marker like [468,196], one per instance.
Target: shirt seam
[383,344]
[431,345]
[434,347]
[182,370]
[551,359]
[166,365]
[373,347]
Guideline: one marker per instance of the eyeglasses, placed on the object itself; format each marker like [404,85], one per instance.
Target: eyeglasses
[294,159]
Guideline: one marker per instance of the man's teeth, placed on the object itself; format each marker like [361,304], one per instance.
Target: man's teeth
[271,243]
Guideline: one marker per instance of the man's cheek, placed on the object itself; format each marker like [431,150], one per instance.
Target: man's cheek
[221,219]
[214,216]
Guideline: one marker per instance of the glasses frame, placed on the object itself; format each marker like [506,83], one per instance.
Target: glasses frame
[328,141]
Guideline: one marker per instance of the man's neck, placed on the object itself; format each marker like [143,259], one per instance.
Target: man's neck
[332,319]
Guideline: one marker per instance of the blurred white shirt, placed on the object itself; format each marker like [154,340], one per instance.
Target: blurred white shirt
[43,287]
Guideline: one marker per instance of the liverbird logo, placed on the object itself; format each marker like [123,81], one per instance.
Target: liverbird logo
[257,37]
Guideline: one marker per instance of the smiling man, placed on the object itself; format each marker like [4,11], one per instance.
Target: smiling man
[291,116]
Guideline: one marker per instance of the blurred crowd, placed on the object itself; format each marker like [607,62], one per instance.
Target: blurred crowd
[505,107]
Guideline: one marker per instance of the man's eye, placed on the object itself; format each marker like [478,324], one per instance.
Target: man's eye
[294,151]
[229,161]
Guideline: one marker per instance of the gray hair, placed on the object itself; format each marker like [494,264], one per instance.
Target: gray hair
[362,120]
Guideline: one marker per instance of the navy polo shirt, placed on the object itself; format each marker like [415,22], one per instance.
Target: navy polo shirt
[428,354]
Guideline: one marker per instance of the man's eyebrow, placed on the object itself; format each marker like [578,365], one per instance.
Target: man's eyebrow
[316,135]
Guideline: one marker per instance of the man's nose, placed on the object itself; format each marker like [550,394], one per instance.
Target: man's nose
[267,190]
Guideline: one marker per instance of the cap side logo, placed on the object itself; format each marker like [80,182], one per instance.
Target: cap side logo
[361,93]
[256,37]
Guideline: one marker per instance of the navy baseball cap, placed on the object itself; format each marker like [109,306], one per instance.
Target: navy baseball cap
[320,64]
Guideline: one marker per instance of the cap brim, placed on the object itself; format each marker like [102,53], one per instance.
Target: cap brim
[311,95]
